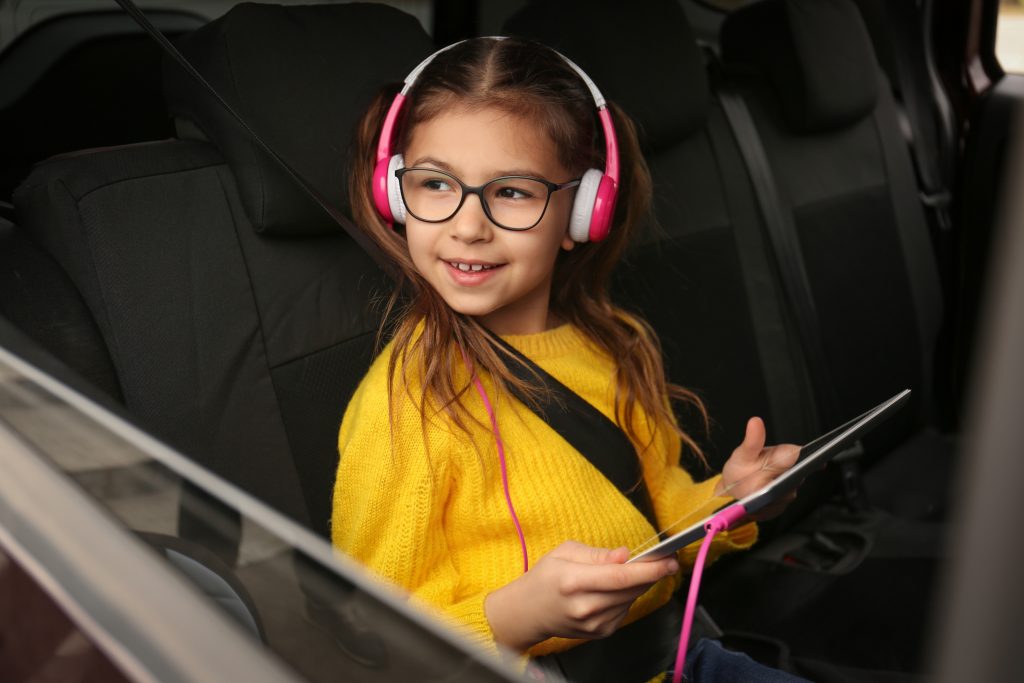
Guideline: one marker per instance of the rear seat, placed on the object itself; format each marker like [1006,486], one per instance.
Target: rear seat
[806,72]
[234,311]
[708,280]
[830,129]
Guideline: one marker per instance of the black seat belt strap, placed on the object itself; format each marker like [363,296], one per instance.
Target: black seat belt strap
[790,393]
[586,429]
[906,32]
[785,245]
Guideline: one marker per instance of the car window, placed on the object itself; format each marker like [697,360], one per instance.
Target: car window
[284,587]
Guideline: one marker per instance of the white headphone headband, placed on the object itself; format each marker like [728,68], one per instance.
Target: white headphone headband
[415,73]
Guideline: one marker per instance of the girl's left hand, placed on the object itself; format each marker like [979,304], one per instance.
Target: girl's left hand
[752,466]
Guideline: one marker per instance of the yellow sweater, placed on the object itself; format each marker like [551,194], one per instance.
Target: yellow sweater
[432,518]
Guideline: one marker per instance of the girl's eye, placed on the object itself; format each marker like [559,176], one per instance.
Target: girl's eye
[437,185]
[513,193]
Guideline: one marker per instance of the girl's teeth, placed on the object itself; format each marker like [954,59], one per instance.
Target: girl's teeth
[467,268]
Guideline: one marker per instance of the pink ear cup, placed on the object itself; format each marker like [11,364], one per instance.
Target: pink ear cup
[382,171]
[593,208]
[380,190]
[604,209]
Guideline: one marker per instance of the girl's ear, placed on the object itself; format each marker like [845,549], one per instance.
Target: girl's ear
[567,242]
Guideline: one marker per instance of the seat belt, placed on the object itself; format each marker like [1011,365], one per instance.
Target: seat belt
[585,428]
[783,238]
[906,18]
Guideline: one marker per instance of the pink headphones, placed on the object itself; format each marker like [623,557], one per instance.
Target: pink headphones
[592,209]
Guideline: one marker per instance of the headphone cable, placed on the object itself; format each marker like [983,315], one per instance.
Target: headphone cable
[720,522]
[504,470]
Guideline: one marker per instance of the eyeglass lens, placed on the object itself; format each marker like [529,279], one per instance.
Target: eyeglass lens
[515,203]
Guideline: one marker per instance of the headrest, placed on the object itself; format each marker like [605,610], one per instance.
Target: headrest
[300,77]
[642,56]
[816,53]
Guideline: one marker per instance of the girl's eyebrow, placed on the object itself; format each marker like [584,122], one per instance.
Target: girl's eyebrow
[434,162]
[493,174]
[518,171]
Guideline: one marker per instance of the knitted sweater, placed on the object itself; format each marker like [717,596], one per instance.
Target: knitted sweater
[430,515]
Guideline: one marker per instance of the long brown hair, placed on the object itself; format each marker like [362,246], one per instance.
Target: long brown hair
[531,81]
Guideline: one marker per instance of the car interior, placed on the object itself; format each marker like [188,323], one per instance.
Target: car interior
[824,207]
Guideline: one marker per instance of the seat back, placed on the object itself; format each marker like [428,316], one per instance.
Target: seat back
[807,71]
[235,312]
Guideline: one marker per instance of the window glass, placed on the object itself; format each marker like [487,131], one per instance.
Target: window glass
[284,586]
[1010,36]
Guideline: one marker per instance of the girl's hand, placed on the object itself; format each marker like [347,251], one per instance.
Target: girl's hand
[575,591]
[752,466]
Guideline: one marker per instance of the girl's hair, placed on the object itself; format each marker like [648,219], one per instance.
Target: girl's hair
[531,81]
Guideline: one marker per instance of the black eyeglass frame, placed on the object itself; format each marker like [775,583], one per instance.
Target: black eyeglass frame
[479,192]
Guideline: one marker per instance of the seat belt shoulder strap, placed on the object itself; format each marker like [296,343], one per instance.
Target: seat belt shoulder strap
[586,429]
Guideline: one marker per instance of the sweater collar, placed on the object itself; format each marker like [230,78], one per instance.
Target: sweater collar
[551,343]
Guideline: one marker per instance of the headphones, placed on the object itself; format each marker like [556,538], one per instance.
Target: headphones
[594,205]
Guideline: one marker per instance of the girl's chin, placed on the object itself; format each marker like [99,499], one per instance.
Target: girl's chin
[474,309]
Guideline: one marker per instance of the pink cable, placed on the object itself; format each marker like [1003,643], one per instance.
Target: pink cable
[720,522]
[504,470]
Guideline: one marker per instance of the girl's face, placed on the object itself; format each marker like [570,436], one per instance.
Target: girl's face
[511,293]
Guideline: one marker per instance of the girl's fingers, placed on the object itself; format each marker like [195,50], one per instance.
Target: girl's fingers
[611,578]
[585,554]
[592,607]
[604,623]
[785,455]
[753,441]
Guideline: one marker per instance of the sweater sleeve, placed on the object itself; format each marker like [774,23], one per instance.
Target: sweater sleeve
[679,501]
[389,501]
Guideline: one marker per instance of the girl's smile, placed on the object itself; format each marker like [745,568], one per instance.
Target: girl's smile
[500,276]
[469,273]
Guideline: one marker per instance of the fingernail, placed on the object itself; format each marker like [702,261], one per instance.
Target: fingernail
[673,566]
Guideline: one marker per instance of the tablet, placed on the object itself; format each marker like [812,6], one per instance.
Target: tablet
[812,456]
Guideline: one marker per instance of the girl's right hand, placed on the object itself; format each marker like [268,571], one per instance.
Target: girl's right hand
[575,591]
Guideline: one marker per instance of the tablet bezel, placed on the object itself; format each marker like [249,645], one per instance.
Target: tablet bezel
[816,453]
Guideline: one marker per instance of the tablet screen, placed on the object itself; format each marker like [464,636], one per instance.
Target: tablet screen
[813,455]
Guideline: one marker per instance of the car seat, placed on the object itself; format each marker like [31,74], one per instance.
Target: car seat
[235,313]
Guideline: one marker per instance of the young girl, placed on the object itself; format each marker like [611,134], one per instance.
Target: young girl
[481,186]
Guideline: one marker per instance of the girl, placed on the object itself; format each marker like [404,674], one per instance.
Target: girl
[449,486]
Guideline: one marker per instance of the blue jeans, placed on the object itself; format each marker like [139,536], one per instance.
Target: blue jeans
[709,662]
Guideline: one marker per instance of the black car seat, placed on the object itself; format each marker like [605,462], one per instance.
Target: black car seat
[847,185]
[830,130]
[235,313]
[63,327]
[823,112]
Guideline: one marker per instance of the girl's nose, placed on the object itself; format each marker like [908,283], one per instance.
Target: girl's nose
[471,223]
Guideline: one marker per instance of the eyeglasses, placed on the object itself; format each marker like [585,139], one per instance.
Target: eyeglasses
[510,202]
